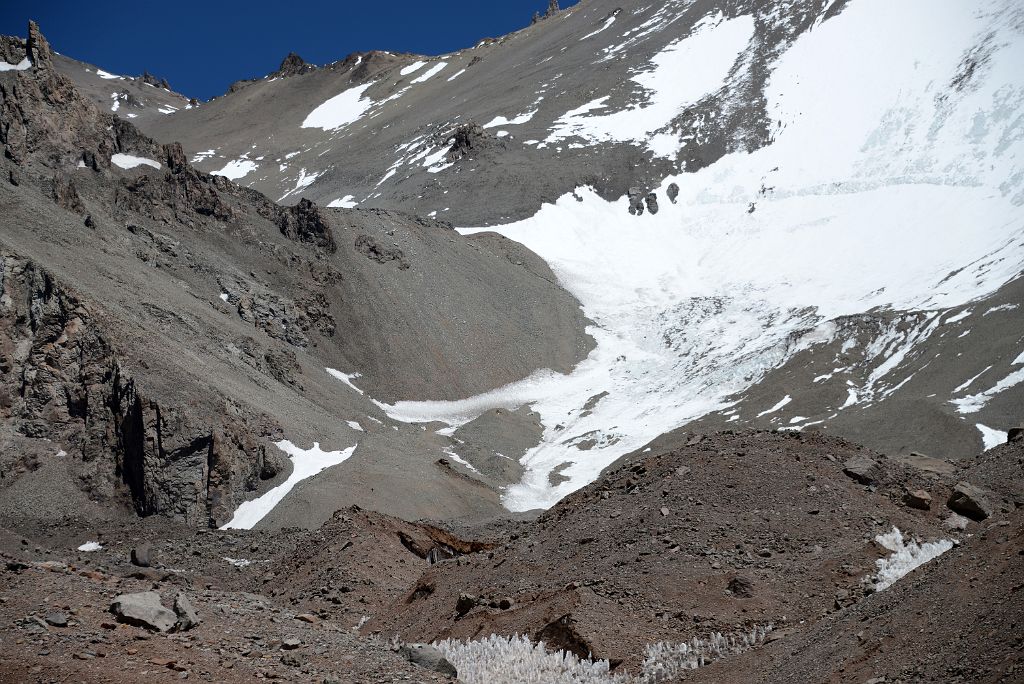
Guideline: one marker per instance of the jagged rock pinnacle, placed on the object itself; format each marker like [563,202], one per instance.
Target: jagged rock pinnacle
[38,48]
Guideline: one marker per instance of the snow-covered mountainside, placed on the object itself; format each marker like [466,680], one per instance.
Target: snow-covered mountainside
[826,236]
[793,214]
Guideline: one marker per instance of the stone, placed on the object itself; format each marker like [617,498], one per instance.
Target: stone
[429,658]
[919,499]
[505,603]
[143,610]
[187,617]
[1015,434]
[862,469]
[636,201]
[672,192]
[57,620]
[293,65]
[969,501]
[652,203]
[307,617]
[741,586]
[141,555]
[465,604]
[291,643]
[664,511]
[291,660]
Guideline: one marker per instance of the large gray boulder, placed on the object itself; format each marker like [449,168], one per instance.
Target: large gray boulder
[429,658]
[862,469]
[144,610]
[187,616]
[969,501]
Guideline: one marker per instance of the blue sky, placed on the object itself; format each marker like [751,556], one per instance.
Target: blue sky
[202,47]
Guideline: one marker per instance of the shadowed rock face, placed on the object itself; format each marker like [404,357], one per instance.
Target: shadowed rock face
[62,382]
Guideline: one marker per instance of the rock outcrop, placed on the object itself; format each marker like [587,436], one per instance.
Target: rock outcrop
[62,381]
[292,65]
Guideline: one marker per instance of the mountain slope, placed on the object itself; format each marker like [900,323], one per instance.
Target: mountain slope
[161,326]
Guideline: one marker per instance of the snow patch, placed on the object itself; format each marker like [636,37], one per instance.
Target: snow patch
[345,378]
[412,68]
[305,464]
[341,110]
[90,546]
[430,73]
[346,202]
[705,57]
[129,161]
[516,121]
[991,438]
[237,168]
[23,65]
[906,556]
[782,402]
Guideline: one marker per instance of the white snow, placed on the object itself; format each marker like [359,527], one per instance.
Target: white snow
[695,304]
[412,68]
[305,464]
[679,76]
[107,75]
[304,180]
[990,438]
[341,110]
[958,317]
[20,66]
[224,296]
[90,546]
[450,453]
[1001,307]
[346,202]
[906,556]
[969,381]
[973,403]
[607,22]
[345,378]
[129,161]
[515,121]
[456,75]
[237,168]
[203,156]
[430,73]
[354,425]
[782,402]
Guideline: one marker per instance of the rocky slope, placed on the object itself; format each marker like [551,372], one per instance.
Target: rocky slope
[162,325]
[665,548]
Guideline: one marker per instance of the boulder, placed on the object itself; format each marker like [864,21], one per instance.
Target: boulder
[466,603]
[969,501]
[919,499]
[652,203]
[636,201]
[741,586]
[143,610]
[862,469]
[1015,434]
[673,192]
[57,620]
[187,616]
[429,658]
[141,555]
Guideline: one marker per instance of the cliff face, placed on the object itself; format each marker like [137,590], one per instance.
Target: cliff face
[61,381]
